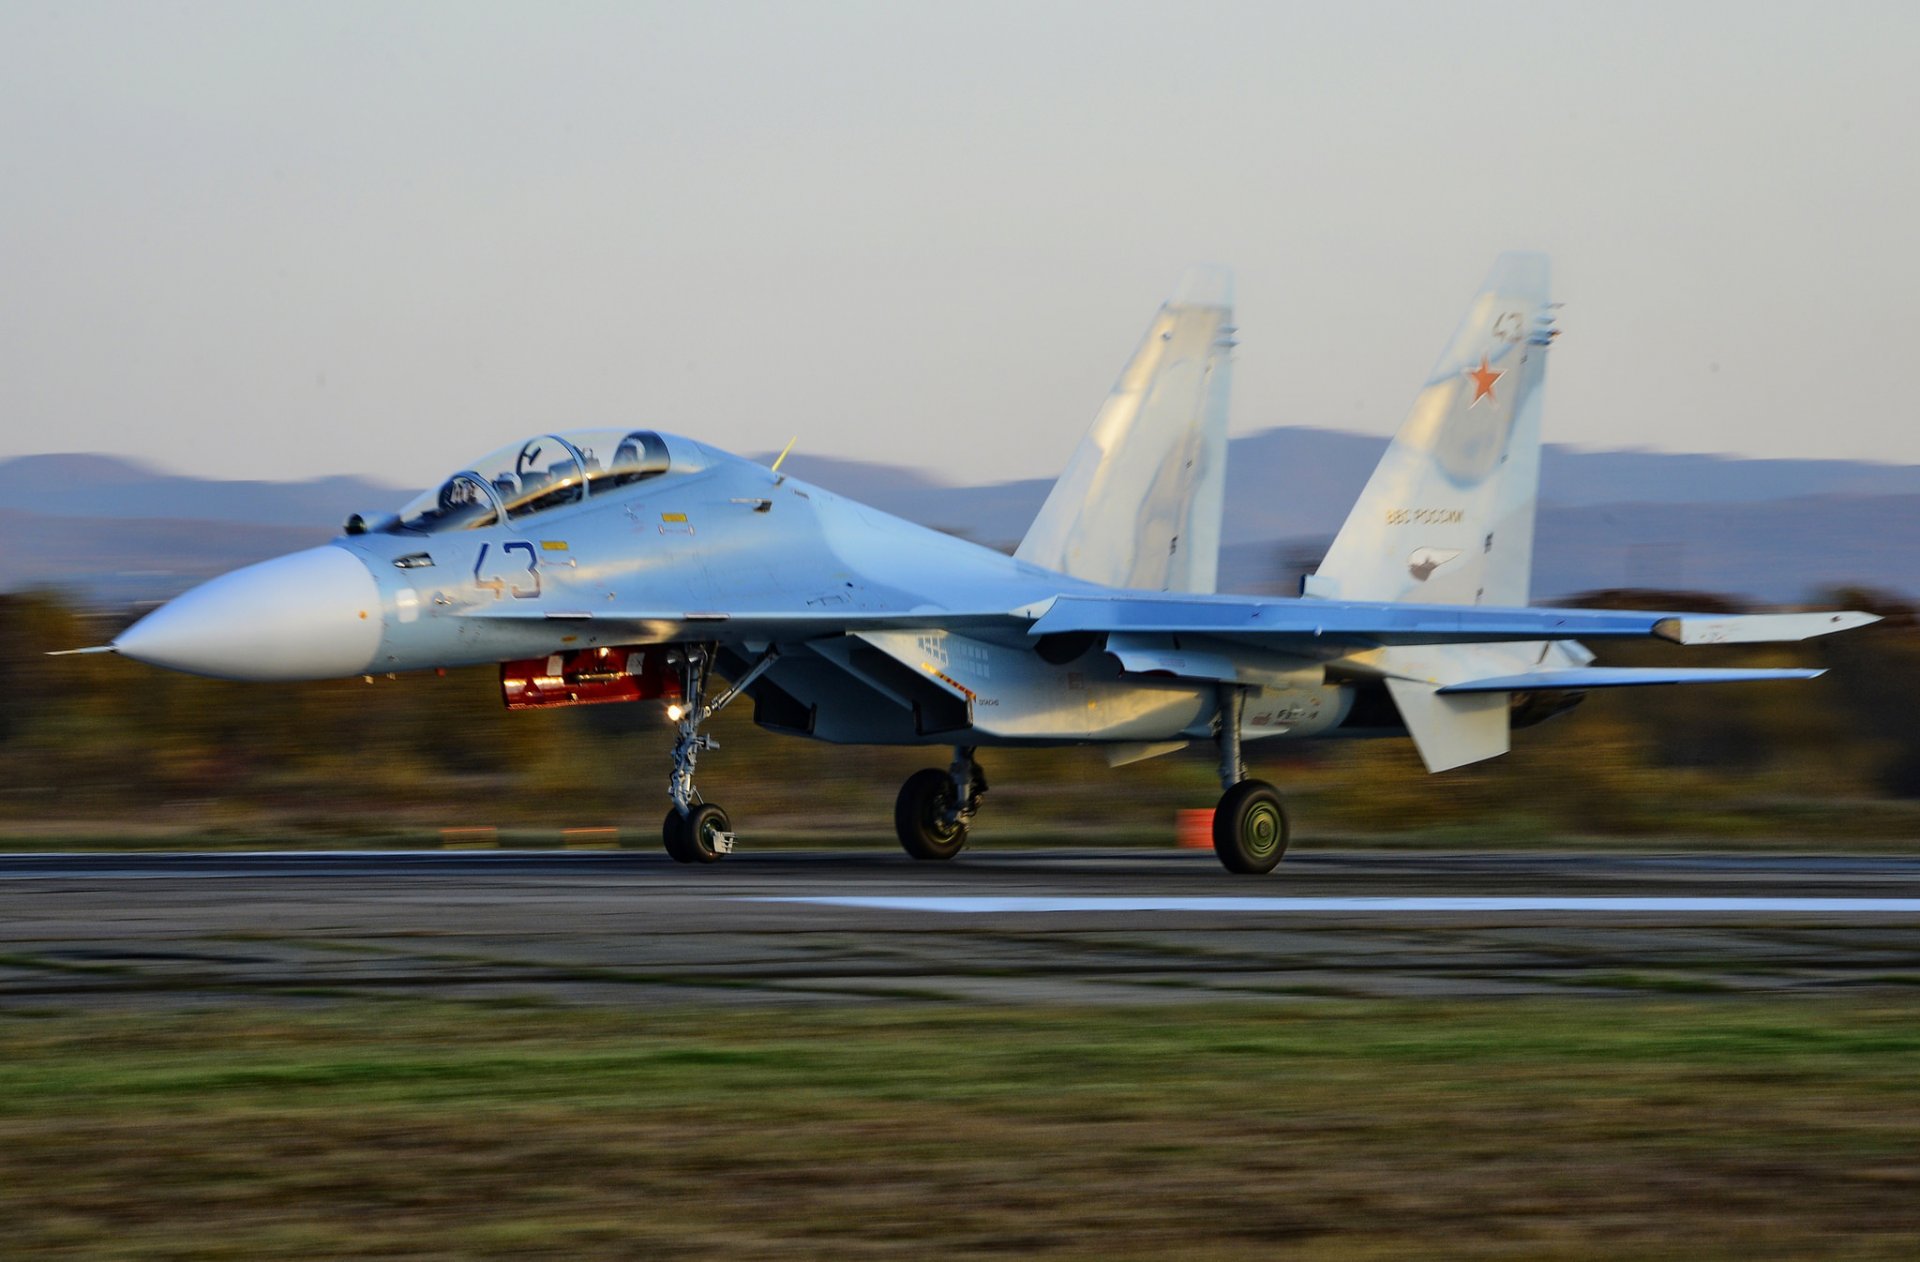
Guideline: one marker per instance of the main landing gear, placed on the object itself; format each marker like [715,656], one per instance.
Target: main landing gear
[1250,823]
[935,807]
[696,831]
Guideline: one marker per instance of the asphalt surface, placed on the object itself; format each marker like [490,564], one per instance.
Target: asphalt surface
[1123,927]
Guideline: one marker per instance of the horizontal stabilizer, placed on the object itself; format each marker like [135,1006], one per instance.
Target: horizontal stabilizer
[1582,678]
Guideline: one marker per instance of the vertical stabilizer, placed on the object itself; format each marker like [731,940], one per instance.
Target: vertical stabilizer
[1447,518]
[1140,503]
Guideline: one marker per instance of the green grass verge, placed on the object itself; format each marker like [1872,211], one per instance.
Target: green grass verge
[1649,1127]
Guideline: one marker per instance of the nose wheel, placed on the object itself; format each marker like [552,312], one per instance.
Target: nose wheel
[696,831]
[700,836]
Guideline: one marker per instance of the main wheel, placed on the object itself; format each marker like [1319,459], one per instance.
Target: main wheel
[920,816]
[1250,828]
[704,827]
[674,833]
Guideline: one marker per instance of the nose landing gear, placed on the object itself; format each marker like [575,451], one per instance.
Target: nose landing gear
[1250,823]
[702,835]
[696,831]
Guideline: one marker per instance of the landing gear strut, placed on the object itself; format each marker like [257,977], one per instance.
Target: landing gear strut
[936,807]
[1250,823]
[696,831]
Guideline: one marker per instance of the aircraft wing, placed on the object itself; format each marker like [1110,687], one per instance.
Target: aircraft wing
[1309,626]
[1283,624]
[666,626]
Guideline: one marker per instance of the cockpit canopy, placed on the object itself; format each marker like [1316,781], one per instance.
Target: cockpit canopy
[539,474]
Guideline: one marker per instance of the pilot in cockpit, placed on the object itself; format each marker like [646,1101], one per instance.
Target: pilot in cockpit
[512,483]
[461,502]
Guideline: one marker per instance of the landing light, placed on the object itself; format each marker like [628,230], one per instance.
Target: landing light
[675,713]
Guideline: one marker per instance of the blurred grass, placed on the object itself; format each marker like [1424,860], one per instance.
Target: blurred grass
[1664,1127]
[99,751]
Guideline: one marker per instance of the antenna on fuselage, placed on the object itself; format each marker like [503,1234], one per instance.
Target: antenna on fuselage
[775,470]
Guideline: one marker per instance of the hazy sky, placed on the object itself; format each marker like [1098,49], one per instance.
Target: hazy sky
[271,240]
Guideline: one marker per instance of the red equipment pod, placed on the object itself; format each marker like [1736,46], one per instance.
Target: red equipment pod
[589,677]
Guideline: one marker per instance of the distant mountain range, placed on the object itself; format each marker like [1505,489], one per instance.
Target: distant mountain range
[115,487]
[112,530]
[1295,482]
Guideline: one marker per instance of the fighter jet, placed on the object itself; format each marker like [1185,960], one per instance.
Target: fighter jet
[613,564]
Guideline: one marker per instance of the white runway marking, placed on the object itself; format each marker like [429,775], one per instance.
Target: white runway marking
[989,904]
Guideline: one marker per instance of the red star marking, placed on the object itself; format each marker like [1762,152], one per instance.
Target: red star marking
[1483,378]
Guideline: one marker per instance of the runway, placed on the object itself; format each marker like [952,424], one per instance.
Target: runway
[1052,926]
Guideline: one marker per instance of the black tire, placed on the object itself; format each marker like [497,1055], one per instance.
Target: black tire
[1250,828]
[702,823]
[919,816]
[674,833]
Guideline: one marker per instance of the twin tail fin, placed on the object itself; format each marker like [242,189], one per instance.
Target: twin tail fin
[1447,518]
[1140,503]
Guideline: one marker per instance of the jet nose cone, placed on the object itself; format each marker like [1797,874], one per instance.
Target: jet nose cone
[309,615]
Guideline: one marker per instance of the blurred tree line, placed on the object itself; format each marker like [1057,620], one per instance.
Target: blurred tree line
[101,745]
